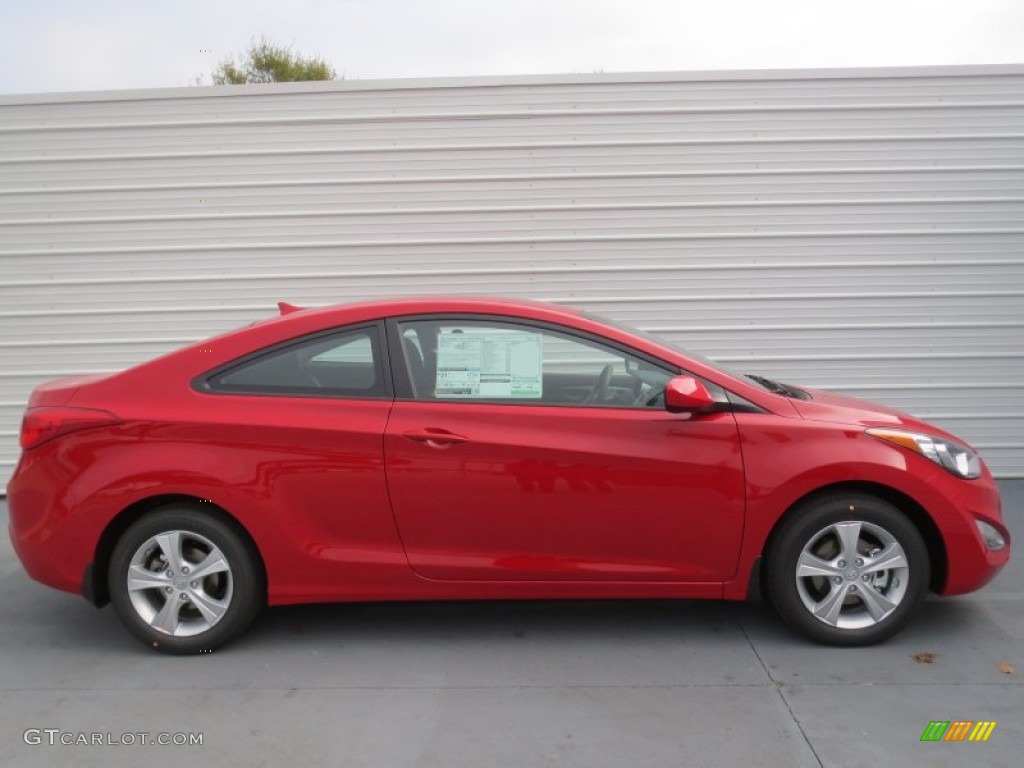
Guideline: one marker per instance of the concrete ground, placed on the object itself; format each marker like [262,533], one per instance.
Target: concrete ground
[637,684]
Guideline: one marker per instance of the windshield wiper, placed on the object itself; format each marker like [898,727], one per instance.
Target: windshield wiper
[771,386]
[780,389]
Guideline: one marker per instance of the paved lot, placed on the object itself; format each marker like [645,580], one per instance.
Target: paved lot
[516,685]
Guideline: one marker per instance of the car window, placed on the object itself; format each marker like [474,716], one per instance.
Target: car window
[342,364]
[357,349]
[474,360]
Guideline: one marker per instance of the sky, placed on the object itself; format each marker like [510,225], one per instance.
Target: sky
[75,45]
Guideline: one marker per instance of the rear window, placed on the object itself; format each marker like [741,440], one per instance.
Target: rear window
[346,363]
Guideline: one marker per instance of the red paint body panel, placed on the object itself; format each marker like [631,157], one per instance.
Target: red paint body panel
[567,493]
[529,502]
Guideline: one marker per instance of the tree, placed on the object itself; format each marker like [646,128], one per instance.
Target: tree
[267,62]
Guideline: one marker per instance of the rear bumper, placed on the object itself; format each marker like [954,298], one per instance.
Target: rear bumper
[53,543]
[42,561]
[40,565]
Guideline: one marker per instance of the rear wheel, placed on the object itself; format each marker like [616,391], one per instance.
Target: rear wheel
[847,569]
[183,581]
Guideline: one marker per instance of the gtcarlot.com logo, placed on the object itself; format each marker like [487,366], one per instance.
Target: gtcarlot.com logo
[55,736]
[958,730]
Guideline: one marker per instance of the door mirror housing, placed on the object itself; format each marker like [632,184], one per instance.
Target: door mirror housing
[685,393]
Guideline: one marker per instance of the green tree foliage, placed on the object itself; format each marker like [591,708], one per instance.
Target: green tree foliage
[267,62]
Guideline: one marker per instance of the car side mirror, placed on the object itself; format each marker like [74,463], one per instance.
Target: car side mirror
[685,393]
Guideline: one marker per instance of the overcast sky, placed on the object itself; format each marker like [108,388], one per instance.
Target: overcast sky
[70,45]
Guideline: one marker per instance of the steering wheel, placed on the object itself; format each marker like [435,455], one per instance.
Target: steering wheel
[600,390]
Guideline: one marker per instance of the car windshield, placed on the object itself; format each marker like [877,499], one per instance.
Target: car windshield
[758,380]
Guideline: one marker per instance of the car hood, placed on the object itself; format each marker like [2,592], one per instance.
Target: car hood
[827,406]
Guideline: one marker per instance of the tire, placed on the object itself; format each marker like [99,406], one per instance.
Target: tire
[160,594]
[847,569]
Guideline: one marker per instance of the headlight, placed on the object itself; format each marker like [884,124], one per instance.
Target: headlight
[958,459]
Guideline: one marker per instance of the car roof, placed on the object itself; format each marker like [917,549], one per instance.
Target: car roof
[431,304]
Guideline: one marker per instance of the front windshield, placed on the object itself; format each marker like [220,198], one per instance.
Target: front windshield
[676,348]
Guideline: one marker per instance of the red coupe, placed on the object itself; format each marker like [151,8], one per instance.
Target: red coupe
[440,449]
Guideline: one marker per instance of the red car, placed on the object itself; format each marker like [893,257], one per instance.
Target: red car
[439,449]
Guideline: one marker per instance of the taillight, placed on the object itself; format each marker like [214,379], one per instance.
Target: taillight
[42,424]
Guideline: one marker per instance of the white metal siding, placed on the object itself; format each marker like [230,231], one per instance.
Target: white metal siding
[856,230]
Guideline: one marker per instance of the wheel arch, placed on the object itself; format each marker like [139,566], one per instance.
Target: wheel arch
[94,585]
[909,506]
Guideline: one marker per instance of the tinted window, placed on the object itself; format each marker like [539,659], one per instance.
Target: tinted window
[343,364]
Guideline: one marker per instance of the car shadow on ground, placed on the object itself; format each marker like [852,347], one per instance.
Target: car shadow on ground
[939,621]
[484,620]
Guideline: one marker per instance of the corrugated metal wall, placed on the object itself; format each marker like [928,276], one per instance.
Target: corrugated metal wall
[856,230]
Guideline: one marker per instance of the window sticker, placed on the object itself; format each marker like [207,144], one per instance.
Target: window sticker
[489,364]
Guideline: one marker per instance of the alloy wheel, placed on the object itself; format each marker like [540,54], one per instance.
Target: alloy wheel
[179,583]
[852,574]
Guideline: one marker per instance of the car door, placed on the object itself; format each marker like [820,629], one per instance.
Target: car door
[517,451]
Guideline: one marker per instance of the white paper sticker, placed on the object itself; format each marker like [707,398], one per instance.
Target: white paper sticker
[489,364]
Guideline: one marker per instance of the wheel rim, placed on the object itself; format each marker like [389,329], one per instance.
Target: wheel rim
[180,583]
[852,574]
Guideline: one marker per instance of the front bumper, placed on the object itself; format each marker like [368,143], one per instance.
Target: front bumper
[955,505]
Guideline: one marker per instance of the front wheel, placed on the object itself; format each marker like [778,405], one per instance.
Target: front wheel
[847,569]
[184,581]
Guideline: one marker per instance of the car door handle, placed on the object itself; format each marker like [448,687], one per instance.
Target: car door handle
[434,438]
